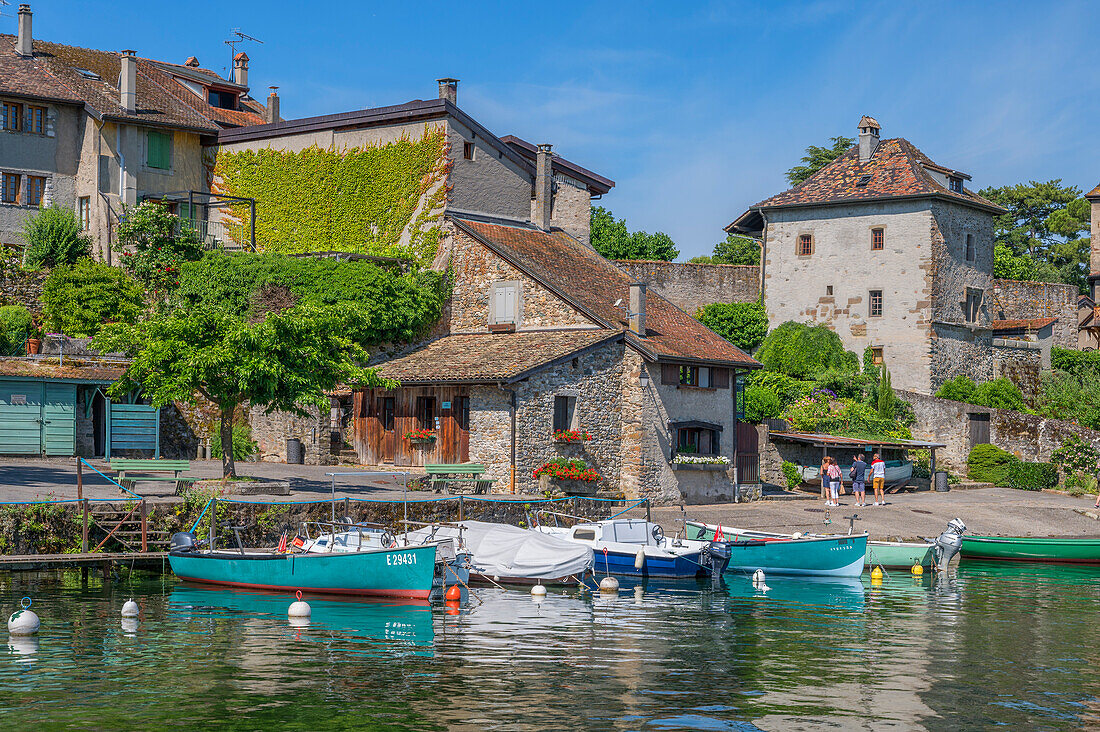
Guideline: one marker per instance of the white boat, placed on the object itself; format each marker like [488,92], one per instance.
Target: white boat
[638,548]
[510,554]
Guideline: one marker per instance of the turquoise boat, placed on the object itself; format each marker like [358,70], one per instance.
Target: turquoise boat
[815,556]
[406,572]
[899,554]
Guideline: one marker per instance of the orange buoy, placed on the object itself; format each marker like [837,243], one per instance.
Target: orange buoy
[452,608]
[453,593]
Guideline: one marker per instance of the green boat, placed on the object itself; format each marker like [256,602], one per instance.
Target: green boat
[1052,549]
[899,554]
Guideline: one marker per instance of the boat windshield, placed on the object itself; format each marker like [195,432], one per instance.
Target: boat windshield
[632,532]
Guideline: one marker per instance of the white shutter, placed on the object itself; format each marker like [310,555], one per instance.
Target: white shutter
[509,304]
[704,376]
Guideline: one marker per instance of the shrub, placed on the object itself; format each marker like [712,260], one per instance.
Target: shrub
[1078,363]
[1063,395]
[846,385]
[154,244]
[1030,476]
[988,464]
[792,475]
[1076,455]
[77,300]
[823,412]
[243,445]
[1000,394]
[922,463]
[805,351]
[54,237]
[788,389]
[761,403]
[744,324]
[1078,484]
[959,389]
[16,325]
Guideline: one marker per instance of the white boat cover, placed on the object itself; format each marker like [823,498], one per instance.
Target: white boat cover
[504,551]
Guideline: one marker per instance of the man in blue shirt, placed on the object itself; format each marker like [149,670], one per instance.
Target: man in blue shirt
[858,475]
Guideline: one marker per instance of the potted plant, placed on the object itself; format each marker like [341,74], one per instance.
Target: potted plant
[571,436]
[572,475]
[420,437]
[34,339]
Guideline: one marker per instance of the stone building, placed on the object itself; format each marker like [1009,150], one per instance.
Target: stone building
[892,251]
[96,131]
[1088,311]
[543,334]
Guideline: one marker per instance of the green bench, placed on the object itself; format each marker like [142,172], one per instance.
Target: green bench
[464,477]
[131,471]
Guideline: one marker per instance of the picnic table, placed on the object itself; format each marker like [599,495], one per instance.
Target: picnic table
[458,478]
[132,470]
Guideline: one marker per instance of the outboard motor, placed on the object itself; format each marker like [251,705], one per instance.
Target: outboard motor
[184,541]
[949,543]
[718,557]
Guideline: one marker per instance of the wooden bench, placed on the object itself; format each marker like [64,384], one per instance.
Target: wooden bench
[463,476]
[127,467]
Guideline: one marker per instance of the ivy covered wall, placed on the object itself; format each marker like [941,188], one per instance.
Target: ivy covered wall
[384,199]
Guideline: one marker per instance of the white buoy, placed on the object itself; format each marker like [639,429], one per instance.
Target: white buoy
[758,577]
[638,594]
[639,558]
[539,590]
[299,622]
[299,608]
[796,535]
[129,625]
[23,621]
[23,645]
[609,584]
[130,609]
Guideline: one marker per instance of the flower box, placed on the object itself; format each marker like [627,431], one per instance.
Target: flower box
[420,437]
[700,466]
[569,437]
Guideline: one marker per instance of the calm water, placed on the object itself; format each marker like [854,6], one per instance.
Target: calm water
[985,646]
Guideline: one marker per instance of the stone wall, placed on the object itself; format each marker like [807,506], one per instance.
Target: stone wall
[950,274]
[271,431]
[960,350]
[1027,436]
[1022,362]
[691,286]
[18,287]
[571,209]
[1017,300]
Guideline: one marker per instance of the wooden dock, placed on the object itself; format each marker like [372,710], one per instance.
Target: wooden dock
[103,560]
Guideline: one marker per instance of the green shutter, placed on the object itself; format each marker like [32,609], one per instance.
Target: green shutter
[160,151]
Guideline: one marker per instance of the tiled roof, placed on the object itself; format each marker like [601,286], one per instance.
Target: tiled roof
[55,73]
[73,369]
[896,169]
[1028,323]
[487,357]
[592,284]
[1094,193]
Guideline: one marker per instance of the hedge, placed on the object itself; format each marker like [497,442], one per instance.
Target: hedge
[1030,476]
[988,464]
[1078,363]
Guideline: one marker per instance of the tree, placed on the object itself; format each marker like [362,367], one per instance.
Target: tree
[611,238]
[744,324]
[736,250]
[54,237]
[77,300]
[805,351]
[817,158]
[154,244]
[887,400]
[282,362]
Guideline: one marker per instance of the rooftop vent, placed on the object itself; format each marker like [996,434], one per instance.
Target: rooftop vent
[88,74]
[863,181]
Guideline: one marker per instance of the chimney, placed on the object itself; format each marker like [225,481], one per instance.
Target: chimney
[272,114]
[24,45]
[191,61]
[868,138]
[127,82]
[544,187]
[448,89]
[240,69]
[637,307]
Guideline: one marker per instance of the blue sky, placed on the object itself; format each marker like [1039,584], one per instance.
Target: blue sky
[696,110]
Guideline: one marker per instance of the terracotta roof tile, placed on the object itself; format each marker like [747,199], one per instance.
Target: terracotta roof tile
[73,369]
[1028,323]
[482,357]
[896,170]
[1094,193]
[581,277]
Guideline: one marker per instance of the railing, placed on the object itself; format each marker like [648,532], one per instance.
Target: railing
[226,236]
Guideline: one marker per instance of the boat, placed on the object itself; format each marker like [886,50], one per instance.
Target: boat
[404,571]
[817,556]
[900,554]
[898,472]
[638,548]
[1054,549]
[501,553]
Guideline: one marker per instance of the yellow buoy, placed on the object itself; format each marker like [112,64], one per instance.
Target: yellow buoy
[876,574]
[917,570]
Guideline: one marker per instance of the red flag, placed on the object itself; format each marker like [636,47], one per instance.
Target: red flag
[718,535]
[282,543]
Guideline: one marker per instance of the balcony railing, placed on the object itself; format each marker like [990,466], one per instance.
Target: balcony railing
[222,235]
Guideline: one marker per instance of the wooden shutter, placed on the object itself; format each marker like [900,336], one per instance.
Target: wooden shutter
[159,150]
[561,413]
[720,378]
[670,373]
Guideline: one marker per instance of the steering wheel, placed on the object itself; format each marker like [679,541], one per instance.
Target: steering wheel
[387,540]
[658,534]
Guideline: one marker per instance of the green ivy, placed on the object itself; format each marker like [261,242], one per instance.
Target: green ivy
[383,200]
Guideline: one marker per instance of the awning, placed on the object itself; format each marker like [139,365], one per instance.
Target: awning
[822,440]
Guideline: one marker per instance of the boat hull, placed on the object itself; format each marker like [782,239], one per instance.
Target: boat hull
[404,572]
[1031,549]
[819,556]
[898,554]
[622,564]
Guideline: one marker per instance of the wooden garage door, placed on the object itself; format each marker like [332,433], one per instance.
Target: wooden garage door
[20,418]
[59,419]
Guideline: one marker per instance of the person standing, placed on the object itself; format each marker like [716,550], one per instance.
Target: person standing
[859,480]
[878,479]
[834,483]
[825,479]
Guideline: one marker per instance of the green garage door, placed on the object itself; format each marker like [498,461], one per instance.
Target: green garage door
[59,423]
[20,417]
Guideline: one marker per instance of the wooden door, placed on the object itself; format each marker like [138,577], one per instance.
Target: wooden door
[21,418]
[387,418]
[979,429]
[464,429]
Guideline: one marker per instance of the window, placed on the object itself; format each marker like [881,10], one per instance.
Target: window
[876,355]
[973,304]
[11,188]
[36,186]
[955,184]
[694,376]
[468,150]
[13,116]
[159,152]
[828,289]
[805,245]
[878,239]
[565,408]
[970,247]
[386,409]
[505,305]
[697,440]
[425,412]
[874,309]
[84,212]
[36,118]
[222,99]
[863,181]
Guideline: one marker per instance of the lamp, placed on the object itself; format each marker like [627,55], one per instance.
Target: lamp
[643,378]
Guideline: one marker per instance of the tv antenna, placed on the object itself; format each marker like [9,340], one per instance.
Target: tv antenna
[241,37]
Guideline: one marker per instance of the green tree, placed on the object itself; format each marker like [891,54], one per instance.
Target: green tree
[16,325]
[887,400]
[54,237]
[817,157]
[744,324]
[154,244]
[611,238]
[282,362]
[78,300]
[736,250]
[805,351]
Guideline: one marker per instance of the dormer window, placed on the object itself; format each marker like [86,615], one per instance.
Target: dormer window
[955,184]
[222,99]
